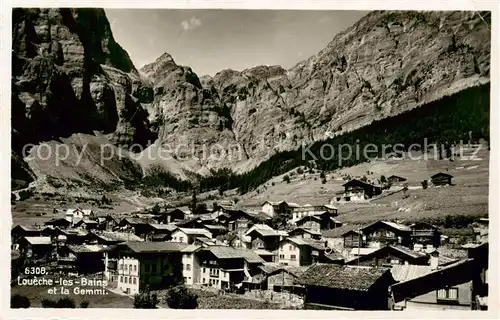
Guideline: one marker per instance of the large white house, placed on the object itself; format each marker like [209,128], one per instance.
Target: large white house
[189,235]
[75,215]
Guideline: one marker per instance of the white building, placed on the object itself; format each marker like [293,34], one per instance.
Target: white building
[75,215]
[191,265]
[128,275]
[188,235]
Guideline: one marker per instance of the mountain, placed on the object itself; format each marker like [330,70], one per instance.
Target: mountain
[74,85]
[385,64]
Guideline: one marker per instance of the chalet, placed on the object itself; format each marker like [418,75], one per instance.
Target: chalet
[224,267]
[330,286]
[441,179]
[87,224]
[310,210]
[58,223]
[193,222]
[300,251]
[353,239]
[321,221]
[283,278]
[191,270]
[382,233]
[240,241]
[110,238]
[240,224]
[391,255]
[273,208]
[36,248]
[74,215]
[216,230]
[357,190]
[110,222]
[305,233]
[69,236]
[171,216]
[20,231]
[86,258]
[188,235]
[160,232]
[395,180]
[424,234]
[266,255]
[263,237]
[157,265]
[140,226]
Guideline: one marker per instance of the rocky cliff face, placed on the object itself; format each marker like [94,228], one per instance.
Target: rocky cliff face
[385,64]
[70,76]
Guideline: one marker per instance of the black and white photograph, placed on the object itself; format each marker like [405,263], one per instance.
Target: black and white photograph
[177,158]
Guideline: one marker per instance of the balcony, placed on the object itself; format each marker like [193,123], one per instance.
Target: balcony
[423,233]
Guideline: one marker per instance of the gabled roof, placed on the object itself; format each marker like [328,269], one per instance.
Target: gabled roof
[226,252]
[393,225]
[196,231]
[408,253]
[38,240]
[330,206]
[357,182]
[159,226]
[191,248]
[27,228]
[87,248]
[263,229]
[409,271]
[87,221]
[315,244]
[397,177]
[116,236]
[342,277]
[441,174]
[215,227]
[313,232]
[154,247]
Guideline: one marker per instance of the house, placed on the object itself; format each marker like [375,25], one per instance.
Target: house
[305,233]
[353,239]
[216,230]
[240,241]
[274,208]
[395,180]
[69,236]
[381,233]
[283,278]
[74,215]
[36,248]
[391,255]
[310,210]
[357,190]
[139,226]
[87,224]
[263,236]
[160,232]
[425,234]
[157,265]
[239,224]
[330,286]
[265,255]
[191,265]
[188,235]
[110,238]
[321,221]
[58,223]
[20,231]
[86,258]
[223,267]
[300,251]
[171,216]
[441,179]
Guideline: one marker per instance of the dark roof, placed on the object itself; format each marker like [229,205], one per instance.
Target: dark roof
[356,182]
[397,177]
[441,174]
[226,252]
[409,252]
[340,231]
[154,247]
[342,277]
[309,218]
[315,244]
[314,232]
[273,268]
[403,250]
[393,225]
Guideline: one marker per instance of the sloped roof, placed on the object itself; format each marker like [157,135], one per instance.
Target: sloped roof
[87,248]
[409,272]
[154,247]
[316,244]
[340,231]
[196,231]
[215,227]
[117,236]
[408,252]
[226,252]
[330,206]
[363,251]
[441,174]
[314,232]
[394,225]
[87,221]
[38,240]
[262,252]
[191,248]
[263,229]
[27,228]
[342,277]
[159,226]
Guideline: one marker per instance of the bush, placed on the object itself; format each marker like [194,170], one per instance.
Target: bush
[300,171]
[65,303]
[425,184]
[383,179]
[48,303]
[180,297]
[19,301]
[322,175]
[286,179]
[272,183]
[323,181]
[84,304]
[145,300]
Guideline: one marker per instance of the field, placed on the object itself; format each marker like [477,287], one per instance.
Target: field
[37,293]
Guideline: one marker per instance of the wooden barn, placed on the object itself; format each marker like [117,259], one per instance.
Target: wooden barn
[441,179]
[330,286]
[353,239]
[391,255]
[395,180]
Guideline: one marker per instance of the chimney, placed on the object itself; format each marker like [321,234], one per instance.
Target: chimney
[434,259]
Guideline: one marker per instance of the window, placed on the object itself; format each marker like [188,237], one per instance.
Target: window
[126,280]
[130,268]
[282,256]
[188,267]
[121,278]
[135,280]
[204,270]
[174,238]
[135,267]
[203,280]
[181,239]
[292,257]
[290,248]
[126,267]
[448,294]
